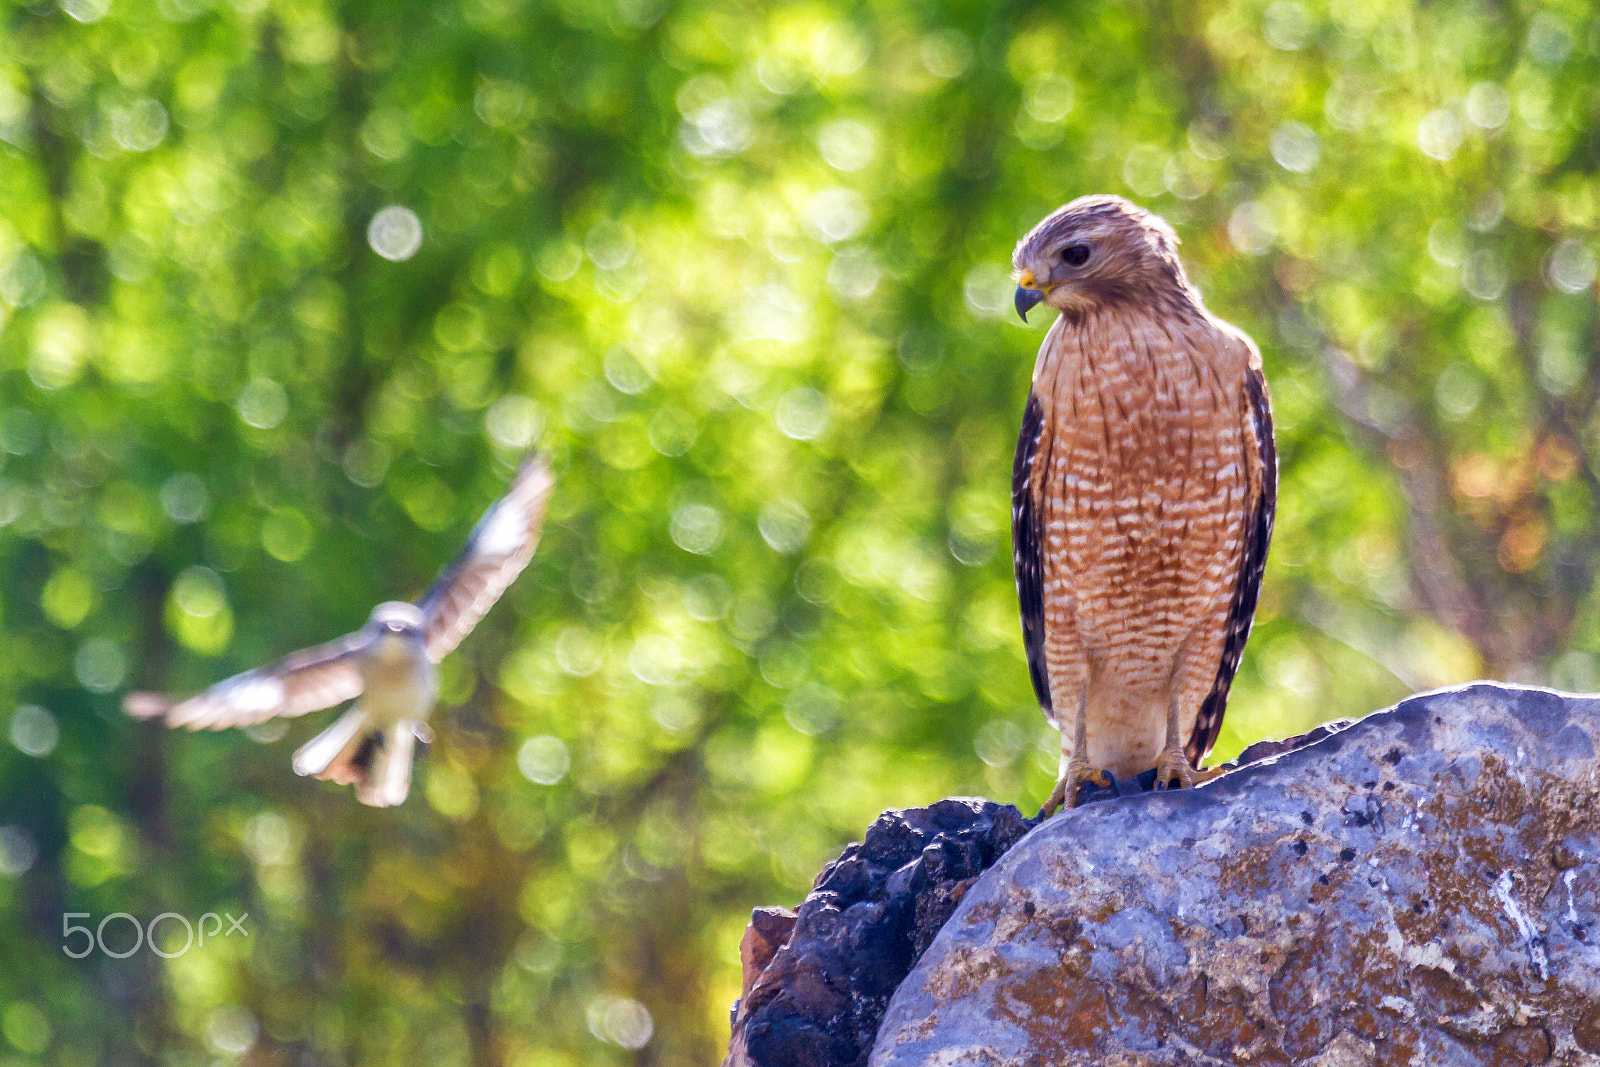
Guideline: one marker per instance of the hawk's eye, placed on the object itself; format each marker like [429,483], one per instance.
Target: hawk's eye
[1075,255]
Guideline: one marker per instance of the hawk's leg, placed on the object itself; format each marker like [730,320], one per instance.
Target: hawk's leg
[1075,769]
[1173,770]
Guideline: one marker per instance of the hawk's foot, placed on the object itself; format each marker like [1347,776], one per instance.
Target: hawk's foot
[1173,771]
[1066,791]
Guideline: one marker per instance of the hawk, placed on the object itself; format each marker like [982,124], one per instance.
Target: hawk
[1142,497]
[388,664]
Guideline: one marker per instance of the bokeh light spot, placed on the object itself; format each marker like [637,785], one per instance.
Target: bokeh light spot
[673,431]
[1483,275]
[835,215]
[1049,97]
[100,665]
[1439,134]
[86,10]
[988,289]
[999,742]
[17,851]
[34,731]
[707,598]
[231,1030]
[395,233]
[365,462]
[514,421]
[1251,228]
[854,274]
[696,528]
[21,431]
[268,838]
[68,597]
[140,125]
[621,1021]
[263,404]
[1571,267]
[544,760]
[184,497]
[720,129]
[802,413]
[946,53]
[784,525]
[199,592]
[1145,170]
[1488,106]
[26,1027]
[62,338]
[846,144]
[1295,147]
[22,281]
[1286,25]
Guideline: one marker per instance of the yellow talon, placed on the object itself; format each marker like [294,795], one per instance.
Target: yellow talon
[1174,771]
[1066,791]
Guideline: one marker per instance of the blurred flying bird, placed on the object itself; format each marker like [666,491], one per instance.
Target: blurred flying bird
[1142,497]
[387,666]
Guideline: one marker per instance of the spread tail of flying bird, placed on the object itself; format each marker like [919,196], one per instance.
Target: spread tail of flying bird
[376,759]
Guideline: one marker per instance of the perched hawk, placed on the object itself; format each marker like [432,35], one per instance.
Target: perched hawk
[388,663]
[1142,497]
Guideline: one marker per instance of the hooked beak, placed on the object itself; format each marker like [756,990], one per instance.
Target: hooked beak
[1029,293]
[1026,298]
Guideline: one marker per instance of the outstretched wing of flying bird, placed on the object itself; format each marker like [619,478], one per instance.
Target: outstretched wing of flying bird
[499,547]
[305,681]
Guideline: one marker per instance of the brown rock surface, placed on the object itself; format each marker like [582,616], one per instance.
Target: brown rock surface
[1422,887]
[768,931]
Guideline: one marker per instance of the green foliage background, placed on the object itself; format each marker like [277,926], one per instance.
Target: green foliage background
[741,268]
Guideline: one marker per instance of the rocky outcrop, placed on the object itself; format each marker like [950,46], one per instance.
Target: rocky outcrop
[1422,887]
[817,981]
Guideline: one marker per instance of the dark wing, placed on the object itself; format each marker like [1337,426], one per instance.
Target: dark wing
[301,682]
[1027,550]
[499,547]
[1262,464]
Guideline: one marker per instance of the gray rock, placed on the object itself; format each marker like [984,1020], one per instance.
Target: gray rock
[1422,887]
[817,980]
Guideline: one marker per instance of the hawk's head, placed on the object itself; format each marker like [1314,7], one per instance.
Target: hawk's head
[1098,251]
[396,618]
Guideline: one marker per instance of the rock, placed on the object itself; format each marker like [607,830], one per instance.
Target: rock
[1421,887]
[870,915]
[768,931]
[816,982]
